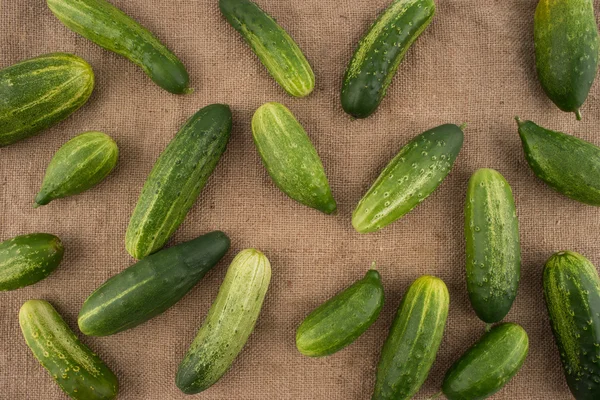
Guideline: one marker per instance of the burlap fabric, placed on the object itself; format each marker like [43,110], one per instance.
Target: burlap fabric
[474,64]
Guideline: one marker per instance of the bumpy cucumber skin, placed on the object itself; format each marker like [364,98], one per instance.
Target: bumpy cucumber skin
[492,245]
[27,259]
[291,158]
[412,344]
[380,52]
[409,178]
[572,293]
[271,43]
[229,323]
[178,177]
[79,372]
[151,286]
[342,319]
[38,93]
[113,30]
[566,51]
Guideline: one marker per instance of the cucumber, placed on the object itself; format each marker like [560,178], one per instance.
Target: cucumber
[412,344]
[271,43]
[178,177]
[80,164]
[229,323]
[572,293]
[79,372]
[113,30]
[493,245]
[151,286]
[409,178]
[342,319]
[380,52]
[38,93]
[566,51]
[290,157]
[27,259]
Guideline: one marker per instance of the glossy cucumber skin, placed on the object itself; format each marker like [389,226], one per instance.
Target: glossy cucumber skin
[79,372]
[272,44]
[151,286]
[412,344]
[229,323]
[291,158]
[38,93]
[342,319]
[113,30]
[409,178]
[178,177]
[27,259]
[492,245]
[572,293]
[380,52]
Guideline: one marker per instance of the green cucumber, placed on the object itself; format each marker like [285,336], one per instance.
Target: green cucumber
[79,372]
[409,178]
[151,286]
[38,93]
[271,43]
[342,319]
[566,51]
[229,323]
[572,293]
[27,259]
[290,157]
[493,245]
[412,344]
[380,52]
[113,30]
[178,177]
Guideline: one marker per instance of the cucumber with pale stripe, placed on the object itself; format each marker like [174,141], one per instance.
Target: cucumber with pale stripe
[38,93]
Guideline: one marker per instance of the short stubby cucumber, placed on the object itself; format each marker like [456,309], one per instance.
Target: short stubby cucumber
[493,245]
[79,372]
[342,319]
[178,177]
[380,52]
[27,259]
[38,93]
[229,323]
[113,30]
[409,178]
[271,43]
[291,158]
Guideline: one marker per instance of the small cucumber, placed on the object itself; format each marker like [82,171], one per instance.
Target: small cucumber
[342,319]
[229,323]
[79,372]
[290,157]
[409,178]
[493,245]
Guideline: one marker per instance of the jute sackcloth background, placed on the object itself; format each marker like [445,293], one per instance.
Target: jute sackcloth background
[474,64]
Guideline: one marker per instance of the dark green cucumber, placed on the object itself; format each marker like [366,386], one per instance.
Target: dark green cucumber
[412,344]
[27,259]
[178,177]
[151,286]
[572,293]
[493,245]
[38,93]
[271,43]
[113,30]
[409,178]
[380,52]
[342,319]
[566,51]
[79,372]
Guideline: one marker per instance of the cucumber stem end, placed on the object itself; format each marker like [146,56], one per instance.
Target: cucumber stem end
[578,114]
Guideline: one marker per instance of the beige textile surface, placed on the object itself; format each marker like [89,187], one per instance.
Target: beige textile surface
[474,64]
